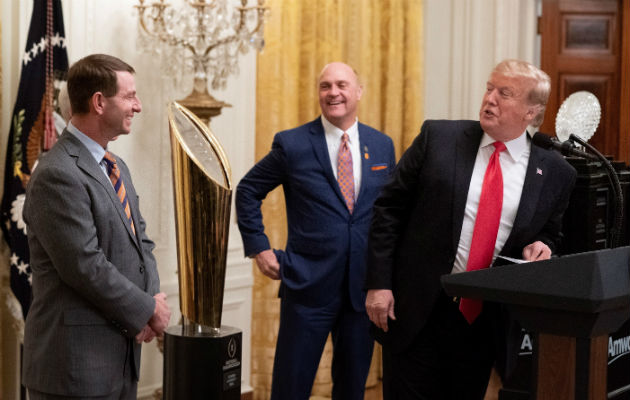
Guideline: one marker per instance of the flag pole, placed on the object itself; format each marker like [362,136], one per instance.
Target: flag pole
[44,64]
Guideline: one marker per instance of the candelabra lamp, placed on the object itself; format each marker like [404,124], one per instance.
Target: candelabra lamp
[202,37]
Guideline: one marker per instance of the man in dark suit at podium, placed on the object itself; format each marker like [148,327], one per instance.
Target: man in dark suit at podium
[331,169]
[464,192]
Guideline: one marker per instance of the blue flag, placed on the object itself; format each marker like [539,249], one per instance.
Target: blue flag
[44,67]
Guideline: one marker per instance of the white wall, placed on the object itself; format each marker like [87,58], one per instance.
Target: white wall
[464,40]
[110,27]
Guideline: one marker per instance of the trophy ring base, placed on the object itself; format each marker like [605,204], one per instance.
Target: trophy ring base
[201,363]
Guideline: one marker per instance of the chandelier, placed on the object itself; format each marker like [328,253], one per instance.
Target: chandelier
[202,37]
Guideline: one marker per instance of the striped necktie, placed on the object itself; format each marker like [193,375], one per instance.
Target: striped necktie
[345,175]
[119,186]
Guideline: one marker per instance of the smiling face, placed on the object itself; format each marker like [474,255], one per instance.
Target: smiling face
[120,108]
[339,94]
[506,110]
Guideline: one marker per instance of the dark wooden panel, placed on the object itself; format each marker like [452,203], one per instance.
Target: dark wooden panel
[600,86]
[556,364]
[596,84]
[598,366]
[592,6]
[583,32]
[582,63]
[581,50]
[623,143]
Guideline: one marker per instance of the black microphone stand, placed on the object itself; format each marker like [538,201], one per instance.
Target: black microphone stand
[616,186]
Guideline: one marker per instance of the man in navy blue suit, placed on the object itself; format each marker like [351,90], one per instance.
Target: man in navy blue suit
[433,218]
[331,169]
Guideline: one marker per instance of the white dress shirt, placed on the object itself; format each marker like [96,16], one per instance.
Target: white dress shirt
[333,141]
[514,162]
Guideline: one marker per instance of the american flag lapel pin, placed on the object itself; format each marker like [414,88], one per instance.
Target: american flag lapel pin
[538,171]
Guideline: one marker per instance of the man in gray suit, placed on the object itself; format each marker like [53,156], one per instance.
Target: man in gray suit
[95,280]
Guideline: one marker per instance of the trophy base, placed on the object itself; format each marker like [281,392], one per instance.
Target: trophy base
[202,364]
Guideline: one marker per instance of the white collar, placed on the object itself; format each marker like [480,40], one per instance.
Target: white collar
[330,129]
[515,147]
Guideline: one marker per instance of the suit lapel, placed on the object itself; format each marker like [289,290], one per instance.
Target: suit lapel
[364,146]
[86,162]
[320,148]
[465,155]
[532,186]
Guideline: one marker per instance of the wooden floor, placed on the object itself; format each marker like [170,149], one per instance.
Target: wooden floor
[375,393]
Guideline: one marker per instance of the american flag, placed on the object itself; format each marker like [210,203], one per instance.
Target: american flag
[44,65]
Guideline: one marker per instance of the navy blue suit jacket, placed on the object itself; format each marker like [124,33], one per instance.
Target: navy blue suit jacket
[324,240]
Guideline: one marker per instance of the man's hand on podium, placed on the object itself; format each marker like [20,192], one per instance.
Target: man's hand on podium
[536,251]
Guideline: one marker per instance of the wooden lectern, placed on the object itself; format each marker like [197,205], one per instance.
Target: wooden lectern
[570,303]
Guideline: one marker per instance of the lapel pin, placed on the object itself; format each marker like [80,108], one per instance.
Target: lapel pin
[365,151]
[538,171]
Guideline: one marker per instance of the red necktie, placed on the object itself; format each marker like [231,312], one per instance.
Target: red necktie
[345,176]
[119,186]
[486,227]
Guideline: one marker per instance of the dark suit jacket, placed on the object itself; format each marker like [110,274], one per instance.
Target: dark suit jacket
[324,239]
[93,279]
[418,218]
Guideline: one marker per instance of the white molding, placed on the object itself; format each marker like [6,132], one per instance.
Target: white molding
[233,304]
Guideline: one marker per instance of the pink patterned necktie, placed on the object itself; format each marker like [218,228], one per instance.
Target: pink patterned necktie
[119,186]
[345,176]
[486,227]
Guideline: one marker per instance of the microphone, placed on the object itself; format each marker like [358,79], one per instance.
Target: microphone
[566,148]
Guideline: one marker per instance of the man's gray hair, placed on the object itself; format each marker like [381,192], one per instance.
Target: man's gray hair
[539,94]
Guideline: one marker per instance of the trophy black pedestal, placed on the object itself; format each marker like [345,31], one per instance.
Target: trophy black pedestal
[202,365]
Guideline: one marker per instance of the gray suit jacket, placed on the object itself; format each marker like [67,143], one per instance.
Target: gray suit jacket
[93,279]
